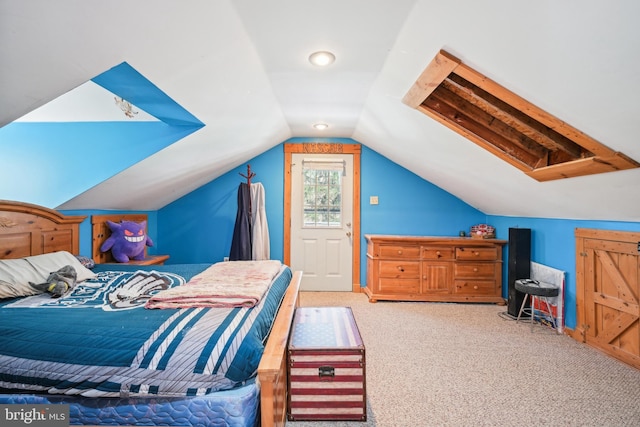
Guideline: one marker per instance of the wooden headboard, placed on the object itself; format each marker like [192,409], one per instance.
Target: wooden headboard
[27,229]
[101,232]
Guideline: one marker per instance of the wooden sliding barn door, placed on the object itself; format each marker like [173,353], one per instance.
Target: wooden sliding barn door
[608,290]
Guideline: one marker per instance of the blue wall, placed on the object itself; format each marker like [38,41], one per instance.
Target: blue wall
[407,203]
[199,226]
[56,154]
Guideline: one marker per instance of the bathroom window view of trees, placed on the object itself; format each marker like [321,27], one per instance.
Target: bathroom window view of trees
[322,198]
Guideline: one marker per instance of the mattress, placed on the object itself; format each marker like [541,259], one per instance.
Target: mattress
[116,362]
[237,408]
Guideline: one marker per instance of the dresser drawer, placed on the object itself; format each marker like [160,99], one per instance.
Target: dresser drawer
[399,269]
[475,270]
[398,286]
[437,253]
[478,254]
[475,287]
[399,251]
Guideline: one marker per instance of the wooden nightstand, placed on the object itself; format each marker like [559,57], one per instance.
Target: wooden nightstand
[149,260]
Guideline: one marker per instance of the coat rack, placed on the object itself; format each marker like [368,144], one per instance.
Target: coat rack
[249,175]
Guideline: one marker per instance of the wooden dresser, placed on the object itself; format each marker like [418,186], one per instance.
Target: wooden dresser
[425,268]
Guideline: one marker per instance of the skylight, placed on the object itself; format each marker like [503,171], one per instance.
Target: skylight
[534,141]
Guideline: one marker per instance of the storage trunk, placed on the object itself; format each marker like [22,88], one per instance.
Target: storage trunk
[326,366]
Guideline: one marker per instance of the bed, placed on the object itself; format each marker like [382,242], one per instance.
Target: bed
[234,381]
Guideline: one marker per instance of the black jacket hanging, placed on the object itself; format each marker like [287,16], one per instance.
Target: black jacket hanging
[241,243]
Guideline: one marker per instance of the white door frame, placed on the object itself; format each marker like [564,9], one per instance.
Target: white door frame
[325,148]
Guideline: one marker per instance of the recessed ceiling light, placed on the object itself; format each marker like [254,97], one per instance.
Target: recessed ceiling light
[321,126]
[322,58]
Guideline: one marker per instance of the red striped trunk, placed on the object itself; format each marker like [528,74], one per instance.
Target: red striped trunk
[326,366]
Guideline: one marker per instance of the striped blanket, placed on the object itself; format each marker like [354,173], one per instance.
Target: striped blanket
[225,284]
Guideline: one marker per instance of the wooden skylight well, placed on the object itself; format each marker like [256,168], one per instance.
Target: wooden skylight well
[534,141]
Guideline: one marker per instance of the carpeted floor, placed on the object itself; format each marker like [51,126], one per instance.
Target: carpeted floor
[435,364]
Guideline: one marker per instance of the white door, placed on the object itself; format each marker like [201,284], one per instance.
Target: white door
[321,220]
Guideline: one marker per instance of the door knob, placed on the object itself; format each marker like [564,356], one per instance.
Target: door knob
[348,234]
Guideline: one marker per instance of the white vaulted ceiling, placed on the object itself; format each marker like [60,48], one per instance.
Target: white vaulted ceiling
[240,67]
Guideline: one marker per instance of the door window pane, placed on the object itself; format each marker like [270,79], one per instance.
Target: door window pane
[322,193]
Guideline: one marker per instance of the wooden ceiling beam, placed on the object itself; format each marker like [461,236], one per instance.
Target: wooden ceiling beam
[511,120]
[481,117]
[456,118]
[474,138]
[534,112]
[582,167]
[435,73]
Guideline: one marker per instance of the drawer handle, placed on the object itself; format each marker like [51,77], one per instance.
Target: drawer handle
[475,287]
[438,254]
[476,253]
[401,268]
[399,252]
[475,269]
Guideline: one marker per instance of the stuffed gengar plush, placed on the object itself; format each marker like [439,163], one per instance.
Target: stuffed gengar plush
[127,240]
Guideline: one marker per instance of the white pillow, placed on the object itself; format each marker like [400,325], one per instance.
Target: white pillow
[48,263]
[15,274]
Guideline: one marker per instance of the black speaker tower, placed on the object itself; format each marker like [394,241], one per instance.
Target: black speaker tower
[519,266]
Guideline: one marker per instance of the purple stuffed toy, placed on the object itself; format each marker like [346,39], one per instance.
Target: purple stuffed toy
[127,240]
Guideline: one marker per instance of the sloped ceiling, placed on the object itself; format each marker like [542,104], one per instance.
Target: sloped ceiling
[241,68]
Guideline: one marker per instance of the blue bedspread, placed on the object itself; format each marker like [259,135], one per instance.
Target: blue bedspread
[101,341]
